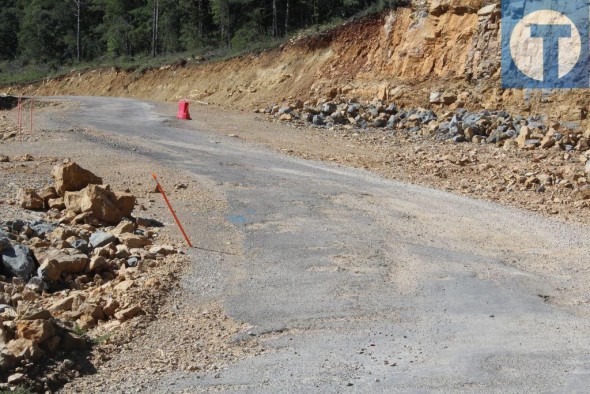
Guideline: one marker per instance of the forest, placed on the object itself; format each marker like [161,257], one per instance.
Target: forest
[65,32]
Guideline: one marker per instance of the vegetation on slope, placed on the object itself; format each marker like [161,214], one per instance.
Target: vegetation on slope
[43,38]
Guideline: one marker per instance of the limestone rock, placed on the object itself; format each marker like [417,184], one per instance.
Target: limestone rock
[523,136]
[31,311]
[125,202]
[133,240]
[24,349]
[111,307]
[548,140]
[163,250]
[122,252]
[98,263]
[71,177]
[435,98]
[52,268]
[129,313]
[93,310]
[125,226]
[124,286]
[48,194]
[61,234]
[65,304]
[35,330]
[382,93]
[29,199]
[56,203]
[102,203]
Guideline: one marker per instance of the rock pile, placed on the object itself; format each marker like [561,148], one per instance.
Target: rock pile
[482,127]
[70,272]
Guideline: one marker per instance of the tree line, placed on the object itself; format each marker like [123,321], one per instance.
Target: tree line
[69,31]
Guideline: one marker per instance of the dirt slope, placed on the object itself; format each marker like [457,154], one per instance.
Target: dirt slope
[401,56]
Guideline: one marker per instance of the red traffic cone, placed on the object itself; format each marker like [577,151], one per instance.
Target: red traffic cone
[183,110]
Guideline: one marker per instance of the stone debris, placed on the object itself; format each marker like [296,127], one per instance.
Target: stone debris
[458,126]
[82,267]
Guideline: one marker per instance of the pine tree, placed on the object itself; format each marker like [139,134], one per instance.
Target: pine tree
[9,27]
[47,31]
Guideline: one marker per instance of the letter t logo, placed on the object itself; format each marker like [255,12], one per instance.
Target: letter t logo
[551,35]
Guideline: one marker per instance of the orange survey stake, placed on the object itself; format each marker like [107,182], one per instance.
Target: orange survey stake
[172,210]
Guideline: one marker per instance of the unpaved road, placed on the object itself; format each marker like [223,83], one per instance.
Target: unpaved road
[354,283]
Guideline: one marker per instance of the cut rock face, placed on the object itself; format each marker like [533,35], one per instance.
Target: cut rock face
[71,177]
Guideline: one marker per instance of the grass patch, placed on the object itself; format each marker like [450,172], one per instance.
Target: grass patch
[78,331]
[17,390]
[101,339]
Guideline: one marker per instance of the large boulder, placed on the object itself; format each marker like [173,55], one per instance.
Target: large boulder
[71,177]
[104,204]
[18,261]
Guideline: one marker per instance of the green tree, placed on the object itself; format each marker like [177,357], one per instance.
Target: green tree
[9,27]
[195,22]
[47,33]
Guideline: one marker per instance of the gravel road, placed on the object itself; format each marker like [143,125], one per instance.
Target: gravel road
[349,282]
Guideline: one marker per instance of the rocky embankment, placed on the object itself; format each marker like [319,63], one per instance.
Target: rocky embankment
[79,277]
[482,127]
[527,161]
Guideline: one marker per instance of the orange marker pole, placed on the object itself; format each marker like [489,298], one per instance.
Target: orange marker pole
[172,210]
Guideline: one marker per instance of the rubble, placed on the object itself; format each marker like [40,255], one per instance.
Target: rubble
[72,272]
[458,126]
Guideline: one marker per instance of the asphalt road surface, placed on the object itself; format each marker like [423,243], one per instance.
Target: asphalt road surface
[358,284]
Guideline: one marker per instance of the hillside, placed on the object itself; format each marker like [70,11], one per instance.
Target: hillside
[402,55]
